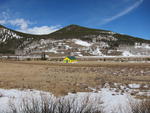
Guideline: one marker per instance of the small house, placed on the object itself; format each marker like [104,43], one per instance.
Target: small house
[70,59]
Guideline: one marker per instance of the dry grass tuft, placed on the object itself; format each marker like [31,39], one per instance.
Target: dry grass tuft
[141,107]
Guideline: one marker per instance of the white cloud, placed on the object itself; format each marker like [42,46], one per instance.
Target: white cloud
[2,21]
[124,12]
[5,14]
[3,17]
[23,24]
[40,30]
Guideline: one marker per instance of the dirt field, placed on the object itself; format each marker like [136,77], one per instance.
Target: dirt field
[60,78]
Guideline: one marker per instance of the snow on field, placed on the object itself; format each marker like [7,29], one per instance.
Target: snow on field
[17,97]
[82,43]
[106,99]
[134,89]
[134,86]
[114,101]
[110,101]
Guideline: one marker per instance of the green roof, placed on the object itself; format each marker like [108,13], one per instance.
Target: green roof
[72,57]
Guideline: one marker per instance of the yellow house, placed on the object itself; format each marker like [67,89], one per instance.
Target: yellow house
[70,59]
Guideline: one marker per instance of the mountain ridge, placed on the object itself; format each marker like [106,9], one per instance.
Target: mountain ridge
[71,25]
[11,40]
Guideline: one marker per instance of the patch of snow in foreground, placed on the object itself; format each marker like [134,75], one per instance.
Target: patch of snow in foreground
[110,101]
[17,97]
[82,43]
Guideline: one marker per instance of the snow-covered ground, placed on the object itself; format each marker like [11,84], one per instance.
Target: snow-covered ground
[114,98]
[134,85]
[106,99]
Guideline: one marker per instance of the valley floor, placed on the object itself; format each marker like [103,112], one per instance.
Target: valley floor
[60,79]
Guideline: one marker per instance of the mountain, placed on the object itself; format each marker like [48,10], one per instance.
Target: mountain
[75,31]
[72,40]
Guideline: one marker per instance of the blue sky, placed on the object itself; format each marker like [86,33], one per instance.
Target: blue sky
[130,17]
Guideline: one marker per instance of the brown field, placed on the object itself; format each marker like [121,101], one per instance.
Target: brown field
[60,78]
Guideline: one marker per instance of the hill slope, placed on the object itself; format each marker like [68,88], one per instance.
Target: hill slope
[72,40]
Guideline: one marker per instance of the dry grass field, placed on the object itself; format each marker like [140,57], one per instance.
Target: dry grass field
[60,78]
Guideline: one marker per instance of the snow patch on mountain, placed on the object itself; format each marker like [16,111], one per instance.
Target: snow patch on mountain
[82,43]
[53,50]
[127,53]
[7,34]
[142,45]
[97,52]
